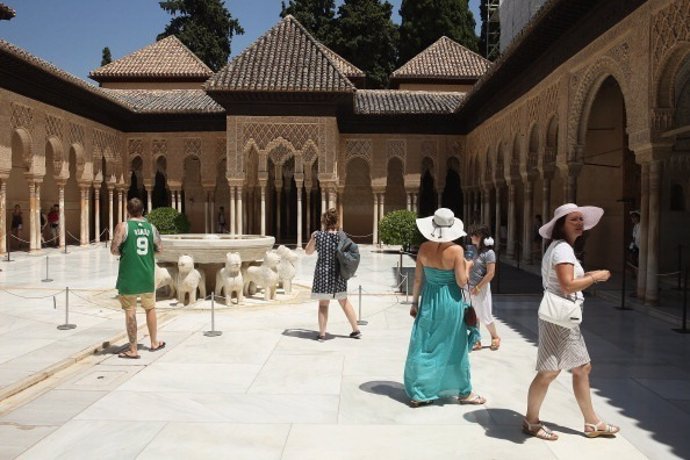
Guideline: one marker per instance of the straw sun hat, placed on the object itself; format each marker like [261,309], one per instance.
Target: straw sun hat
[591,215]
[442,227]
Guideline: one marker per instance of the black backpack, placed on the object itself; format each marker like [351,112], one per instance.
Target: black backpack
[347,254]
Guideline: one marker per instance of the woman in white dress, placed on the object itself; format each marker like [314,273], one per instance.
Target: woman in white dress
[562,348]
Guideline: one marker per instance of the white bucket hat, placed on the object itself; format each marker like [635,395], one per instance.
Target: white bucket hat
[442,227]
[591,214]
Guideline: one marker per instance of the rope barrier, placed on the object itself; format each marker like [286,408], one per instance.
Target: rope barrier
[78,240]
[31,297]
[19,239]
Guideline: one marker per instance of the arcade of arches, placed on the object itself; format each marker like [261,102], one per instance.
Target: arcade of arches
[608,126]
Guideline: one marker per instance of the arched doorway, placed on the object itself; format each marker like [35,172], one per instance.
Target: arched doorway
[428,198]
[18,191]
[358,199]
[49,189]
[194,199]
[221,199]
[73,200]
[160,196]
[395,198]
[452,193]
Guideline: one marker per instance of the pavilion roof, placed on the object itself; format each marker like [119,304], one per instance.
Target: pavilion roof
[166,101]
[6,12]
[403,102]
[444,59]
[166,59]
[286,59]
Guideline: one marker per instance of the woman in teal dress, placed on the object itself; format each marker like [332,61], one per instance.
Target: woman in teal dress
[437,363]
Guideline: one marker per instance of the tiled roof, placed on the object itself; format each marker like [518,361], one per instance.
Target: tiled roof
[285,59]
[6,12]
[401,102]
[166,101]
[444,59]
[344,66]
[167,58]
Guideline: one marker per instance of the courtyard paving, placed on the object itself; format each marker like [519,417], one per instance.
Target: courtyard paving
[265,389]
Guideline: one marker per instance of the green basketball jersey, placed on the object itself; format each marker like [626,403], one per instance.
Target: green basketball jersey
[137,264]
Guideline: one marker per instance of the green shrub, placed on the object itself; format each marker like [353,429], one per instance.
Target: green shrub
[168,221]
[400,227]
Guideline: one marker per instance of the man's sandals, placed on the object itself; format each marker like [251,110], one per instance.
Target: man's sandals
[128,355]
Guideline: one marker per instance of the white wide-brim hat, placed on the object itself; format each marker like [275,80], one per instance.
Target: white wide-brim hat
[591,215]
[442,227]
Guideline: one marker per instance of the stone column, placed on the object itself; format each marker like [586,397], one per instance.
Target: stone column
[148,189]
[32,216]
[652,287]
[97,212]
[331,199]
[299,215]
[510,252]
[644,225]
[415,207]
[382,206]
[323,201]
[375,236]
[466,207]
[409,201]
[263,209]
[61,219]
[341,210]
[307,194]
[439,196]
[111,221]
[279,194]
[478,205]
[39,230]
[497,229]
[3,216]
[527,211]
[212,196]
[119,206]
[206,212]
[240,220]
[83,236]
[545,206]
[232,203]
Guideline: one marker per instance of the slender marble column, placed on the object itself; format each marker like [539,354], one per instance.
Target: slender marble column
[149,200]
[497,229]
[3,216]
[439,196]
[84,236]
[240,221]
[111,221]
[309,210]
[97,212]
[263,210]
[375,237]
[545,206]
[323,201]
[409,201]
[39,229]
[415,206]
[206,212]
[61,211]
[652,291]
[119,206]
[233,201]
[511,221]
[382,207]
[32,216]
[644,225]
[331,199]
[341,211]
[527,219]
[279,193]
[213,211]
[299,216]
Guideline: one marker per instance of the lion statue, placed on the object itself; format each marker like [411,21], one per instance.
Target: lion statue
[229,279]
[286,267]
[166,277]
[189,280]
[265,275]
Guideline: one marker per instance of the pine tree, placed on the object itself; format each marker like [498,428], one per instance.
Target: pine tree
[106,58]
[366,36]
[317,16]
[205,26]
[425,21]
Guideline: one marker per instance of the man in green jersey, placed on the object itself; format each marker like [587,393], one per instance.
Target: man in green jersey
[135,241]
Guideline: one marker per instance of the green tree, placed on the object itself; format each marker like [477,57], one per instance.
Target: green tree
[205,26]
[425,21]
[495,29]
[317,16]
[400,227]
[107,58]
[367,37]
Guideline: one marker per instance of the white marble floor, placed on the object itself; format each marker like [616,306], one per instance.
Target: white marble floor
[265,389]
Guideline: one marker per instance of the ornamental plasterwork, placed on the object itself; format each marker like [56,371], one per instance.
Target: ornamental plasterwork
[549,100]
[361,148]
[280,153]
[397,148]
[220,149]
[669,27]
[135,147]
[76,134]
[297,134]
[22,117]
[192,146]
[309,155]
[54,126]
[429,149]
[159,147]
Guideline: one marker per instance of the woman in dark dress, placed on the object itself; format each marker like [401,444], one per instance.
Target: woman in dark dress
[328,284]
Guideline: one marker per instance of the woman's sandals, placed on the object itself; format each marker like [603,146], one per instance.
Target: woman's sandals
[495,344]
[609,431]
[538,430]
[472,398]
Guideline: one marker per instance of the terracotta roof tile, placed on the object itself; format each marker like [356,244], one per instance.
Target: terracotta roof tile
[285,59]
[346,67]
[444,59]
[166,101]
[167,58]
[6,12]
[402,102]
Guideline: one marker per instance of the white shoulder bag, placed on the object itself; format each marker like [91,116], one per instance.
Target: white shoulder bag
[558,310]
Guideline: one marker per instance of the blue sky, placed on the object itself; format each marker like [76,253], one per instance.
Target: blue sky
[72,33]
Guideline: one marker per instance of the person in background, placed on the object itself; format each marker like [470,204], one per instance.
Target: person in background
[481,274]
[562,348]
[222,228]
[328,284]
[437,364]
[634,247]
[54,223]
[135,241]
[17,223]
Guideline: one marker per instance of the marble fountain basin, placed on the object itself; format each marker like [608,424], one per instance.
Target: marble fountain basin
[211,248]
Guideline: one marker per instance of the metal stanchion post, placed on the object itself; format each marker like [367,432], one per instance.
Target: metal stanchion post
[360,321]
[67,325]
[47,278]
[684,329]
[213,332]
[407,286]
[624,273]
[9,249]
[680,265]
